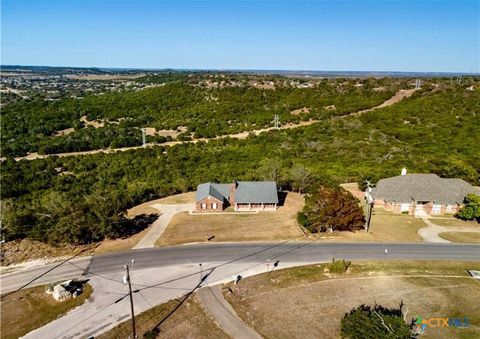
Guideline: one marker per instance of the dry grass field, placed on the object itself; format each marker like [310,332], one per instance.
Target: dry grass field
[454,222]
[31,308]
[464,237]
[384,227]
[268,225]
[317,300]
[188,321]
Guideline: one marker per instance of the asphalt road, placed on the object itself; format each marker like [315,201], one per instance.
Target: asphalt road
[241,253]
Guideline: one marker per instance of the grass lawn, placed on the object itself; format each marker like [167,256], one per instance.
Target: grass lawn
[188,321]
[466,237]
[454,222]
[384,226]
[31,308]
[278,225]
[317,300]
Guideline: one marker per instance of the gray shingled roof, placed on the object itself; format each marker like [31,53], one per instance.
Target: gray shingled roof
[255,192]
[218,191]
[422,187]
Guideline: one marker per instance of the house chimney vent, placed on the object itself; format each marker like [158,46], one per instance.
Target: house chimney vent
[404,171]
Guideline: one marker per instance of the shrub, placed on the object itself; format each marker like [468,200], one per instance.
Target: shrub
[405,212]
[376,322]
[339,266]
[471,210]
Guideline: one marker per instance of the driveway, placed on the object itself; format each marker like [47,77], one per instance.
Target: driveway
[159,225]
[432,231]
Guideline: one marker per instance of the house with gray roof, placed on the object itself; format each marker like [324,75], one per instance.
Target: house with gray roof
[420,193]
[241,195]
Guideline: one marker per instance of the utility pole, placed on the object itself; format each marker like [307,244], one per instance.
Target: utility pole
[134,332]
[144,142]
[369,202]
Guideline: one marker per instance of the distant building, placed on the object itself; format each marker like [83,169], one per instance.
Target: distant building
[241,195]
[420,194]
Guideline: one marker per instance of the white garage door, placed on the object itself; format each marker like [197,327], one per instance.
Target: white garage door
[404,207]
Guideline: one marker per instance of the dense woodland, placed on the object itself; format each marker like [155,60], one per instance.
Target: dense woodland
[83,199]
[31,126]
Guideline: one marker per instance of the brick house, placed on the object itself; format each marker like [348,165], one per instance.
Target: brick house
[241,195]
[420,194]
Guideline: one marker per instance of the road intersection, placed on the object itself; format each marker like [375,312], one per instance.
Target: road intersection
[161,274]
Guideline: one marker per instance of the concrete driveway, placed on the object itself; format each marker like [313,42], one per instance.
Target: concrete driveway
[159,225]
[432,231]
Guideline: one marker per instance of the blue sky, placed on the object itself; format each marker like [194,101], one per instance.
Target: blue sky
[312,35]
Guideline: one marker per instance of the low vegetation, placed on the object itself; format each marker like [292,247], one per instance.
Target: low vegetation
[376,322]
[31,308]
[339,266]
[84,198]
[471,210]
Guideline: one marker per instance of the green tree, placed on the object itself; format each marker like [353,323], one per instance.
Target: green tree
[301,178]
[332,209]
[471,210]
[376,322]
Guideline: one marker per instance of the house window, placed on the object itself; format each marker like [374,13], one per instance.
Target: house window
[204,206]
[404,207]
[449,209]
[436,209]
[214,206]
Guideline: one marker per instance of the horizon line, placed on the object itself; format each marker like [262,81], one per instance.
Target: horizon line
[247,70]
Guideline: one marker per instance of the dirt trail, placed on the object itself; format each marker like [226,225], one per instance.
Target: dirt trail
[400,95]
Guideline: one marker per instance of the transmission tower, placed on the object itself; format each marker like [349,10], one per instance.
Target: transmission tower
[417,84]
[276,121]
[144,141]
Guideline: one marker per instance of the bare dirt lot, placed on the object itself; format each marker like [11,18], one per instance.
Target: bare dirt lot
[268,225]
[317,300]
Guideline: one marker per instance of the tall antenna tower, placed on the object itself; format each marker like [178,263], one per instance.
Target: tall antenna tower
[418,84]
[144,141]
[276,121]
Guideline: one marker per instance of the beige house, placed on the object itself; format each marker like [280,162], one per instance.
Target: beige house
[420,194]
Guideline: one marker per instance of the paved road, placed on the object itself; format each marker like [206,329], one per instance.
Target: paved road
[304,251]
[161,274]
